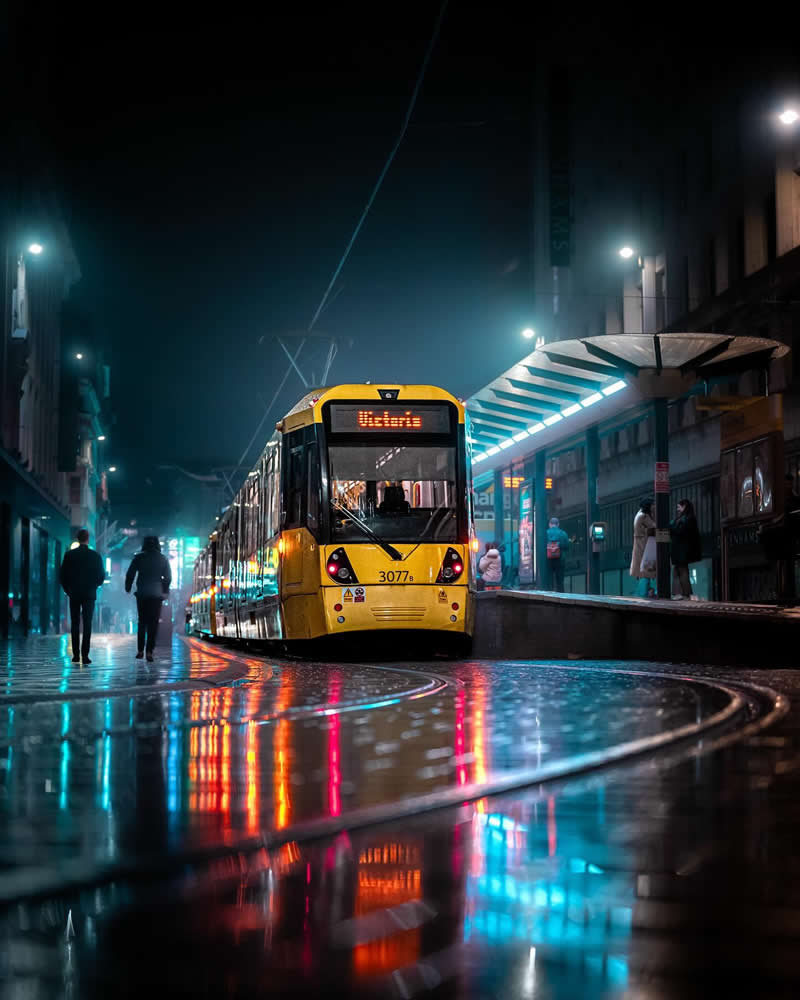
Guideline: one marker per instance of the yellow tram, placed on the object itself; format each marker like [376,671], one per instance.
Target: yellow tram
[357,517]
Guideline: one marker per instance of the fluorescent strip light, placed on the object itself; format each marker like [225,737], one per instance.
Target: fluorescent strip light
[492,451]
[552,419]
[507,443]
[591,400]
[535,428]
[575,408]
[521,436]
[481,457]
[614,387]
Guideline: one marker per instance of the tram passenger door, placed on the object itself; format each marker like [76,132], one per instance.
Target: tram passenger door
[300,561]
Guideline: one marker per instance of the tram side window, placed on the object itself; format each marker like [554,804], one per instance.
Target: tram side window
[302,479]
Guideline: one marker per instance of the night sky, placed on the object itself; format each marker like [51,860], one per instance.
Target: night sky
[214,169]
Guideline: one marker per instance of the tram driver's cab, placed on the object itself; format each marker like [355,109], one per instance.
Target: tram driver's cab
[394,502]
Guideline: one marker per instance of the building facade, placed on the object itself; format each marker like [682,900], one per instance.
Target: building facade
[693,166]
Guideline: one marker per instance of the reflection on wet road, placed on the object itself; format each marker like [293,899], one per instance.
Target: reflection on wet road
[545,892]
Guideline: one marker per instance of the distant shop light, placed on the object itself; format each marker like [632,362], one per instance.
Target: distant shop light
[575,408]
[614,387]
[548,482]
[591,400]
[552,419]
[512,482]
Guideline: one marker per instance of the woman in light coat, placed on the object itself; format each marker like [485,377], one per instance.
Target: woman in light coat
[643,528]
[491,565]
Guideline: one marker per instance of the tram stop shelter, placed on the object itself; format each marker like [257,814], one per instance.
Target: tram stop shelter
[565,389]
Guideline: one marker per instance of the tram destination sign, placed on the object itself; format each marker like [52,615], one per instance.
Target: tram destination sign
[356,418]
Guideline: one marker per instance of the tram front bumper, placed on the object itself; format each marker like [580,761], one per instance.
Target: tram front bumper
[444,608]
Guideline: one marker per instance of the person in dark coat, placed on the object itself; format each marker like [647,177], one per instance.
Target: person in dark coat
[154,578]
[81,574]
[787,588]
[686,546]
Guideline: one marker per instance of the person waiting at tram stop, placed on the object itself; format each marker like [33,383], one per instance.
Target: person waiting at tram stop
[686,548]
[643,558]
[152,589]
[491,567]
[557,548]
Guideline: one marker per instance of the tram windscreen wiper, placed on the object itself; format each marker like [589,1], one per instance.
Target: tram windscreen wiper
[389,549]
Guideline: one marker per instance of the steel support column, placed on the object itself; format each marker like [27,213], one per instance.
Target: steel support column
[541,513]
[499,509]
[592,557]
[662,496]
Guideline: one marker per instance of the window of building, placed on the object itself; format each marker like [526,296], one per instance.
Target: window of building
[660,300]
[711,266]
[75,490]
[771,226]
[736,269]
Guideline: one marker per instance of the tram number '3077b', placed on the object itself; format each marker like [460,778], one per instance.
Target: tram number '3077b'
[394,576]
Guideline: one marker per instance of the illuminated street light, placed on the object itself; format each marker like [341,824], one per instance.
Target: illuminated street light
[528,334]
[626,252]
[35,248]
[789,116]
[101,437]
[79,356]
[112,468]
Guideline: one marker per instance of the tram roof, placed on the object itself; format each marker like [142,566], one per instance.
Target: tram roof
[314,399]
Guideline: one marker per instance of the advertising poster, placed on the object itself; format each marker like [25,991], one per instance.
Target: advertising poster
[526,533]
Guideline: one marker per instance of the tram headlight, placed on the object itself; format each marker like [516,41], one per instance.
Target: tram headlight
[452,567]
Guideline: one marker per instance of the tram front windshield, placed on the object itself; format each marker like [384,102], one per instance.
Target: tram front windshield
[398,491]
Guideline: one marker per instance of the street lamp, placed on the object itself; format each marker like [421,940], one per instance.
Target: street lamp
[112,468]
[35,248]
[626,252]
[528,333]
[788,116]
[101,437]
[79,356]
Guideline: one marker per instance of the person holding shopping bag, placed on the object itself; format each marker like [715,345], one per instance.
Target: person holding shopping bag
[643,559]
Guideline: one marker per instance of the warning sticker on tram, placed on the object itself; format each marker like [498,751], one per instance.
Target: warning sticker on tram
[442,597]
[347,594]
[361,595]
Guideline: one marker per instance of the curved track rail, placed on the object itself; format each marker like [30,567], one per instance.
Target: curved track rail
[749,709]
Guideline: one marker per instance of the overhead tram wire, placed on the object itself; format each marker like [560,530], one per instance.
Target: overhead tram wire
[342,260]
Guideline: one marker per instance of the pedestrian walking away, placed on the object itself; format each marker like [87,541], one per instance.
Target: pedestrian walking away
[81,574]
[644,528]
[557,548]
[153,577]
[686,547]
[491,567]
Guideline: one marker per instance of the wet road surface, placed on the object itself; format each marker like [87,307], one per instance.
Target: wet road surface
[227,824]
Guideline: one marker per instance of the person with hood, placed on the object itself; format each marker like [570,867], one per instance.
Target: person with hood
[686,547]
[154,579]
[491,566]
[644,527]
[557,548]
[82,572]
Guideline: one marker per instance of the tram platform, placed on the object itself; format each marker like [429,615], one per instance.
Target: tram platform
[519,624]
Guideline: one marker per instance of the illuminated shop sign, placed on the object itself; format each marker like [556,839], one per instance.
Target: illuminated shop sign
[349,419]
